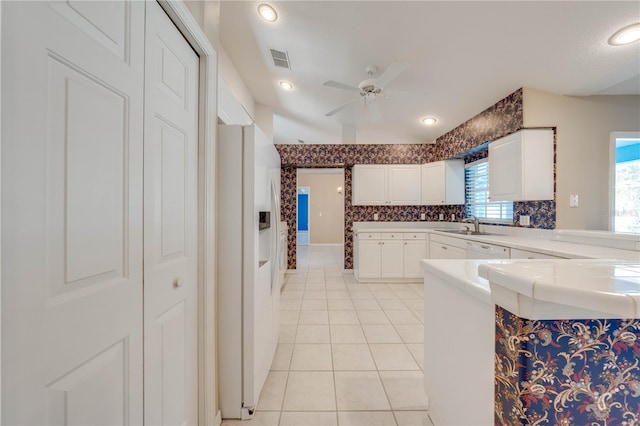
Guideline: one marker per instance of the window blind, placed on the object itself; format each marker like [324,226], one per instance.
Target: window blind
[476,178]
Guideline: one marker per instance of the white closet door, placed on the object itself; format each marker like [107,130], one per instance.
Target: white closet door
[170,223]
[72,102]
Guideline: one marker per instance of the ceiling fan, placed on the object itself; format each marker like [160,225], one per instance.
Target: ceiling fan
[370,88]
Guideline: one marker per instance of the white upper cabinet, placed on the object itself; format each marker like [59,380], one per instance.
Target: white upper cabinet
[369,184]
[404,184]
[381,184]
[521,166]
[443,182]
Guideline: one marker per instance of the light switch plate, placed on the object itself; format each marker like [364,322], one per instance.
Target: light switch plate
[375,216]
[423,216]
[441,216]
[525,220]
[573,200]
[453,216]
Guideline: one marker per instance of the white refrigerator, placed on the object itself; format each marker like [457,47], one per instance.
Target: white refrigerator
[249,278]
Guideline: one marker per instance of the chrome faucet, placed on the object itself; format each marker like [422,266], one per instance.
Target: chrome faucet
[475,221]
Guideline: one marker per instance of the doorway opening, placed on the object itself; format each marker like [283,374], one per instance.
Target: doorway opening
[303,216]
[624,184]
[321,217]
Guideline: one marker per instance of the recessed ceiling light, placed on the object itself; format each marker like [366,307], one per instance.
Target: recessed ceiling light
[286,85]
[267,12]
[429,121]
[626,35]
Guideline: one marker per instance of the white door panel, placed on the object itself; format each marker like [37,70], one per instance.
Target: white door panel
[170,223]
[72,212]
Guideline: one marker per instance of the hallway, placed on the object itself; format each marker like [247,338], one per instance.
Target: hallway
[349,353]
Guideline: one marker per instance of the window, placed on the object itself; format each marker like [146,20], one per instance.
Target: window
[476,178]
[625,181]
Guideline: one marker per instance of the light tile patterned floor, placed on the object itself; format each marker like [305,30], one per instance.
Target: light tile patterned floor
[349,353]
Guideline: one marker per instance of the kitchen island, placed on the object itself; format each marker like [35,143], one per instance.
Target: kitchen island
[561,344]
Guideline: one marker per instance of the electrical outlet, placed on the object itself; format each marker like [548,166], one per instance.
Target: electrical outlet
[441,216]
[423,216]
[453,217]
[524,220]
[573,200]
[375,216]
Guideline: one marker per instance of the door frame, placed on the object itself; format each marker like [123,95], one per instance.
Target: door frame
[208,413]
[613,137]
[308,194]
[207,90]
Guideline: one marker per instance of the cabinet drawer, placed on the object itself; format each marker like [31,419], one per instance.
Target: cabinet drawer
[391,235]
[526,254]
[456,242]
[369,235]
[414,236]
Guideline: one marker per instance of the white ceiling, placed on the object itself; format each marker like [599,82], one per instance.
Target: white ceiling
[463,56]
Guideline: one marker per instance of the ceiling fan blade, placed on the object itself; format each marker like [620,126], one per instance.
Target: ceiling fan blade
[341,107]
[342,86]
[373,109]
[390,74]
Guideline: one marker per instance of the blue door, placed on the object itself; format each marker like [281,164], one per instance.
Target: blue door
[303,212]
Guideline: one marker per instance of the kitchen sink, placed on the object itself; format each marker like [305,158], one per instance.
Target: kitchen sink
[464,232]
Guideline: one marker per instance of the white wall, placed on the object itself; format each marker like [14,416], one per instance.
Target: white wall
[583,127]
[207,14]
[264,119]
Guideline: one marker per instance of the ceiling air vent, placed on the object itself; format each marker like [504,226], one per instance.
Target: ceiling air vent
[280,59]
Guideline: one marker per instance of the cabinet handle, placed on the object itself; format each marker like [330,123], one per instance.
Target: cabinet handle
[405,243]
[177,283]
[530,257]
[383,243]
[444,248]
[484,247]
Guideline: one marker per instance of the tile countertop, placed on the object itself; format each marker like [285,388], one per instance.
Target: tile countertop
[540,245]
[547,289]
[463,274]
[565,289]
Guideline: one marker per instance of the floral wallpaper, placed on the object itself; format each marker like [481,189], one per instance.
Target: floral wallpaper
[288,213]
[466,141]
[566,372]
[500,119]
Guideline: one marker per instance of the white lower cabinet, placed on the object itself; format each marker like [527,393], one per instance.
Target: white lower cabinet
[389,256]
[413,252]
[392,265]
[369,259]
[441,247]
[526,254]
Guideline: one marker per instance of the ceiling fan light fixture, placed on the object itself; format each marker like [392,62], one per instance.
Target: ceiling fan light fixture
[267,12]
[626,35]
[429,121]
[285,85]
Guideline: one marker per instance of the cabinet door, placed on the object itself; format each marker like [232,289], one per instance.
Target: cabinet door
[505,169]
[369,184]
[369,259]
[404,185]
[433,183]
[392,259]
[414,251]
[444,251]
